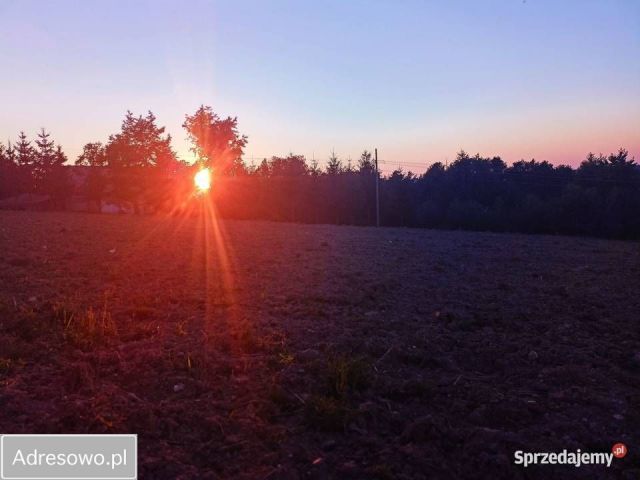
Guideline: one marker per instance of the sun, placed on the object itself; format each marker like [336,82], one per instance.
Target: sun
[202,179]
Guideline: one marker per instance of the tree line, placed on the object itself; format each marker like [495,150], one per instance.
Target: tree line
[137,166]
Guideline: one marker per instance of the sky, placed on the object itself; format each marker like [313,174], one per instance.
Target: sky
[419,80]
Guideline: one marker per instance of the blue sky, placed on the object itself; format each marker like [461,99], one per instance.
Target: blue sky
[418,79]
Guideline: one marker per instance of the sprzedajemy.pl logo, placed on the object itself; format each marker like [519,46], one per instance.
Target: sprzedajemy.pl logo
[577,458]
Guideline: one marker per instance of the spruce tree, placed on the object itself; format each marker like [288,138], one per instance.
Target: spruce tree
[334,165]
[10,154]
[45,158]
[25,159]
[24,151]
[10,181]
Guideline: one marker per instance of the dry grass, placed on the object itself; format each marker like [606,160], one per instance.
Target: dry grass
[88,328]
[347,374]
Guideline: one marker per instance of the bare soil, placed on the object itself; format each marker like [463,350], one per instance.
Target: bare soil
[256,350]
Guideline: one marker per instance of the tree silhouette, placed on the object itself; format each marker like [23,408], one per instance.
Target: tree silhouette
[24,151]
[138,167]
[140,143]
[216,142]
[140,159]
[45,158]
[365,164]
[56,180]
[26,162]
[334,165]
[94,155]
[10,178]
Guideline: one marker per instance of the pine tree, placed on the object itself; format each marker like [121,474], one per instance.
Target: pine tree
[25,159]
[24,151]
[334,165]
[314,169]
[9,173]
[10,154]
[5,172]
[44,158]
[59,158]
[365,163]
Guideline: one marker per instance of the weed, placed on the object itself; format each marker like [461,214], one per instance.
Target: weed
[285,358]
[62,312]
[189,363]
[346,375]
[88,329]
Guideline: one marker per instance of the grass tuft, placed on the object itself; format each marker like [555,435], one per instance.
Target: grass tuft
[346,374]
[89,328]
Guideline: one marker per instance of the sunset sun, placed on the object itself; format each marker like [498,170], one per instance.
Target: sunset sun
[202,180]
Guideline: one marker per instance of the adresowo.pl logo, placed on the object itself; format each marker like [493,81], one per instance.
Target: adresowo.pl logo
[577,458]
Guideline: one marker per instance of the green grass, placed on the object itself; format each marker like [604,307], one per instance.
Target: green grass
[344,376]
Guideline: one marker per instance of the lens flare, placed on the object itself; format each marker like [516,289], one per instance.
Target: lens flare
[202,179]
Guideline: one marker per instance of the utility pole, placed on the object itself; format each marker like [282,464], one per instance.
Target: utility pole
[377,192]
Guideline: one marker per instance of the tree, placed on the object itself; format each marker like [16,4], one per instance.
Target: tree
[365,164]
[56,179]
[141,160]
[140,143]
[290,166]
[24,155]
[48,169]
[9,174]
[10,154]
[24,151]
[216,142]
[93,155]
[288,175]
[314,169]
[45,158]
[334,165]
[263,170]
[363,190]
